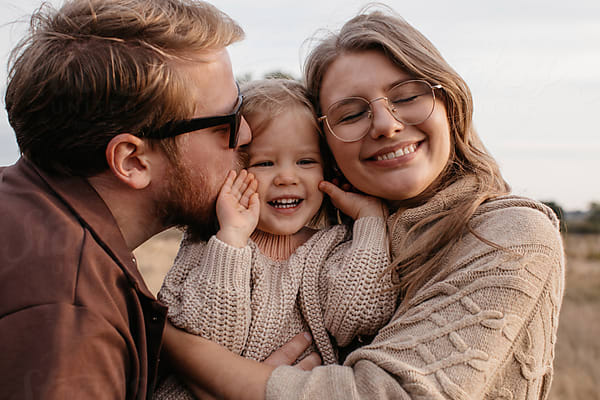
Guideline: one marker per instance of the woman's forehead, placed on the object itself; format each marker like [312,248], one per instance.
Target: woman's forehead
[359,74]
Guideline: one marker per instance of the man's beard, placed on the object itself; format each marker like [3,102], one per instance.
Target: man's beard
[191,206]
[188,205]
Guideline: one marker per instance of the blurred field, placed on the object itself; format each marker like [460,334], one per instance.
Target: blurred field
[156,256]
[577,361]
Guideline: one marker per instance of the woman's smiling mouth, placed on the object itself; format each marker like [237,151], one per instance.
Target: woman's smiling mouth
[402,151]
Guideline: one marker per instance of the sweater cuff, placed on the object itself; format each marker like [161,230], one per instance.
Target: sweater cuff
[369,232]
[330,381]
[286,381]
[228,266]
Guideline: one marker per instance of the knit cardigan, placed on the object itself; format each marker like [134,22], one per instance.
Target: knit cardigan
[251,304]
[484,328]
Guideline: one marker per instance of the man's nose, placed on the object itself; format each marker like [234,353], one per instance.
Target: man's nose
[245,134]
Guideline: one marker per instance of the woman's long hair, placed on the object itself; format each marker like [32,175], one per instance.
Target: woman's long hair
[382,30]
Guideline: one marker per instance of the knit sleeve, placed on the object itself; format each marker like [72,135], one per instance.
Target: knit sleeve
[484,330]
[357,290]
[207,291]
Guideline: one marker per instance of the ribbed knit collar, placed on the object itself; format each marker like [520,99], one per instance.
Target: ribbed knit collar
[280,247]
[463,190]
[401,221]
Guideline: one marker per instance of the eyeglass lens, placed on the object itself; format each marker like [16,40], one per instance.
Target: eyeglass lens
[410,102]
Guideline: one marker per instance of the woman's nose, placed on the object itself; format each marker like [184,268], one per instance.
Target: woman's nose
[383,123]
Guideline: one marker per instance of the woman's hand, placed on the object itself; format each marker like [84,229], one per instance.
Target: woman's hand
[353,204]
[238,208]
[289,353]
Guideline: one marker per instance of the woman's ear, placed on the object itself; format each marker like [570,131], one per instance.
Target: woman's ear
[130,160]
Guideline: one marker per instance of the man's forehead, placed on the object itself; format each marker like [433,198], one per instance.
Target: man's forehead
[209,82]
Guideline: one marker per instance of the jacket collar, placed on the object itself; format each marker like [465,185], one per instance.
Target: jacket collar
[91,211]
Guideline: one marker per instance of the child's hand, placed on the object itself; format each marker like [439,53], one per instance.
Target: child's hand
[355,205]
[237,208]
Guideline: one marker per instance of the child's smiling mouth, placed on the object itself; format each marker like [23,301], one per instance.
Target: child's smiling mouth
[285,202]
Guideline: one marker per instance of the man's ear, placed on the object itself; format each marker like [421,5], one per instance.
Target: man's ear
[130,159]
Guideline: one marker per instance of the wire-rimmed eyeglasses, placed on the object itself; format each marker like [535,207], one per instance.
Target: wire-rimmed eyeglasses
[410,102]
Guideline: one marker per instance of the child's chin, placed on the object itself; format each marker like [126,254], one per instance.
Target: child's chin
[280,231]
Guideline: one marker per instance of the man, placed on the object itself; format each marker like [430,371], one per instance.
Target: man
[127,117]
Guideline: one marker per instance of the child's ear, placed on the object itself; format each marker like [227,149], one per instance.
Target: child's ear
[130,160]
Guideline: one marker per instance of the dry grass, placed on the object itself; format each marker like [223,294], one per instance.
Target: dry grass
[156,256]
[577,362]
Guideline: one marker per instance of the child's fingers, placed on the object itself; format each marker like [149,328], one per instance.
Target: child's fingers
[345,201]
[229,179]
[331,190]
[254,203]
[254,183]
[236,187]
[249,191]
[247,182]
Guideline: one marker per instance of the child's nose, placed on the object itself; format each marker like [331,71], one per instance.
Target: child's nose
[286,176]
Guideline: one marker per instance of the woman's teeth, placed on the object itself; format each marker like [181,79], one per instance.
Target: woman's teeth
[285,203]
[398,153]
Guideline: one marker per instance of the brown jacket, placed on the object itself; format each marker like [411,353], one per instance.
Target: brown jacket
[76,318]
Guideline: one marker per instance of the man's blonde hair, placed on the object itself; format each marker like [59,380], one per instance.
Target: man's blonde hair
[96,68]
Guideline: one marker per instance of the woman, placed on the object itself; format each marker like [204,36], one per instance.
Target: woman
[482,272]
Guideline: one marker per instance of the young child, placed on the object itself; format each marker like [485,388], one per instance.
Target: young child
[252,296]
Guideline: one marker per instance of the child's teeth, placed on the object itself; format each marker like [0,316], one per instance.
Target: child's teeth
[285,203]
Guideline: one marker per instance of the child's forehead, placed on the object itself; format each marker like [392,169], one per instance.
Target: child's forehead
[285,138]
[297,142]
[292,125]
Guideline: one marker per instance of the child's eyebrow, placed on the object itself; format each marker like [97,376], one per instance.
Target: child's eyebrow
[309,148]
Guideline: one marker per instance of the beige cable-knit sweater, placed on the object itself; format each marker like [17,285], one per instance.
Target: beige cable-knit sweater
[485,329]
[253,305]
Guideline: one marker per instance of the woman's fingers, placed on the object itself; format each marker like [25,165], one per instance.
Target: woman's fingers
[289,352]
[309,362]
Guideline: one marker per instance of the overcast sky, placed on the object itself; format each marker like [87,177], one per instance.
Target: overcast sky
[533,67]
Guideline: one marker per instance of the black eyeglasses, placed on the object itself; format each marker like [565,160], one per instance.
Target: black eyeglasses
[174,128]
